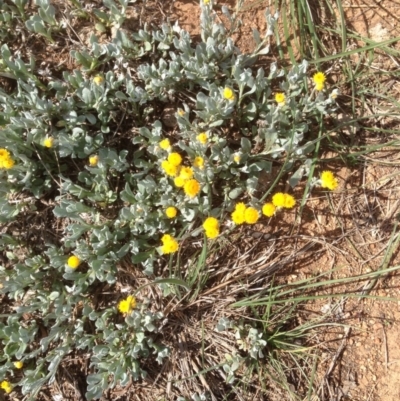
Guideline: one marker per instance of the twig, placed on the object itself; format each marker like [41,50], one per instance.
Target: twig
[385,345]
[335,358]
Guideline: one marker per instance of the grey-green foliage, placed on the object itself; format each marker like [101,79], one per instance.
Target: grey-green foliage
[44,22]
[123,345]
[116,12]
[114,209]
[115,348]
[250,340]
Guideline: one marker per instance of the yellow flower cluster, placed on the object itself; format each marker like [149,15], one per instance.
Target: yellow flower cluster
[211,227]
[6,160]
[170,244]
[229,94]
[186,173]
[183,174]
[127,305]
[172,164]
[93,160]
[48,142]
[319,80]
[171,212]
[328,180]
[250,215]
[281,199]
[269,209]
[280,99]
[243,214]
[73,262]
[198,162]
[98,79]
[191,188]
[165,144]
[202,138]
[6,386]
[169,169]
[236,157]
[18,364]
[175,159]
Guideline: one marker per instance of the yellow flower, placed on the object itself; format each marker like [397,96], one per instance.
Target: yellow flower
[18,364]
[237,217]
[170,244]
[179,182]
[206,2]
[169,168]
[289,201]
[93,160]
[6,386]
[328,180]
[212,233]
[198,162]
[165,144]
[73,262]
[240,207]
[236,157]
[228,94]
[251,215]
[278,200]
[283,200]
[191,188]
[238,213]
[48,142]
[280,98]
[181,112]
[127,305]
[202,138]
[319,80]
[211,227]
[268,209]
[98,79]
[175,159]
[7,163]
[171,212]
[186,173]
[166,238]
[4,154]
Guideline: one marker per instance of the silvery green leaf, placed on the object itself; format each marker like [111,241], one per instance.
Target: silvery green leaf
[188,213]
[256,36]
[261,165]
[246,145]
[54,295]
[250,112]
[251,184]
[235,193]
[264,51]
[216,123]
[87,96]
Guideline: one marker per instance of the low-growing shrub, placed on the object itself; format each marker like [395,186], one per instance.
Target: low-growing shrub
[154,139]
